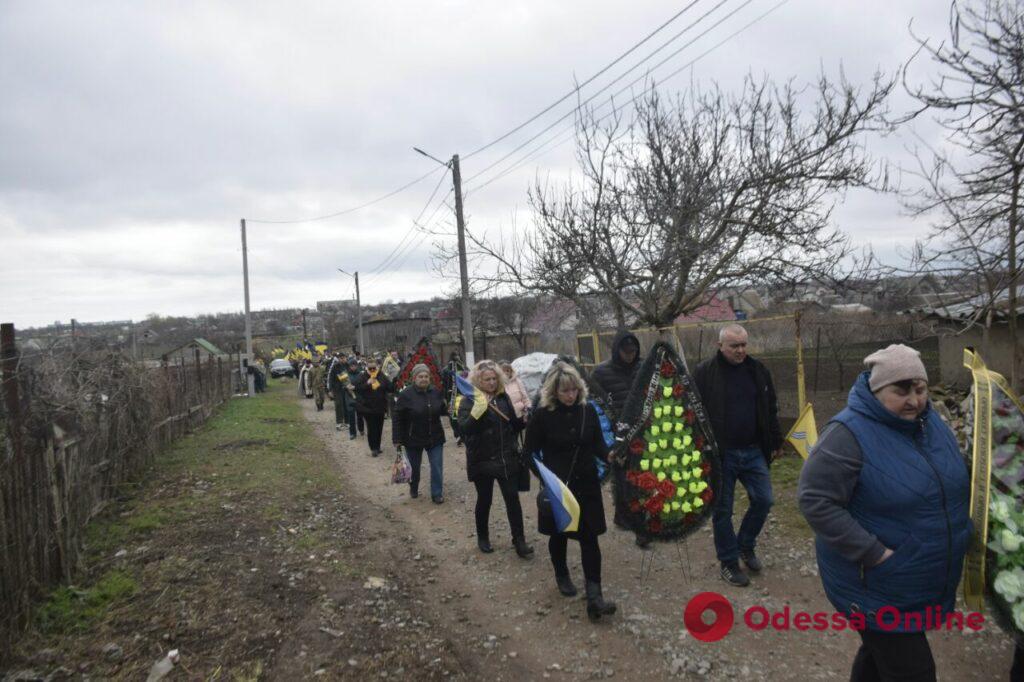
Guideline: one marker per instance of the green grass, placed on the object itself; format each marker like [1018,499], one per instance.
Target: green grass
[72,609]
[785,478]
[251,447]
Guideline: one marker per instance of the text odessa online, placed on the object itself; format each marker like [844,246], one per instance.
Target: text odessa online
[888,619]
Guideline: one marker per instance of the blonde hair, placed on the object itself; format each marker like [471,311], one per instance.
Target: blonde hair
[487,366]
[561,375]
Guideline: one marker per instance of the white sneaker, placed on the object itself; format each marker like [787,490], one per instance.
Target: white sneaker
[337,427]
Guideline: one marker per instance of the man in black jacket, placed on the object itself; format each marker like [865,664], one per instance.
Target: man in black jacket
[739,396]
[615,378]
[615,375]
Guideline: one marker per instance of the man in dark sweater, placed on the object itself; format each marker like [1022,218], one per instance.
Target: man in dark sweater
[739,396]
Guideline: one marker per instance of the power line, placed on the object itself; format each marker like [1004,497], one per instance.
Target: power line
[539,150]
[413,244]
[581,85]
[384,263]
[353,209]
[622,75]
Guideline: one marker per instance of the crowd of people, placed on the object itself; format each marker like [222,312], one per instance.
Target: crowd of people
[885,490]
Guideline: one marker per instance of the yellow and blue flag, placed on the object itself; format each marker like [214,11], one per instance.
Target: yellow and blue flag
[468,390]
[804,433]
[563,503]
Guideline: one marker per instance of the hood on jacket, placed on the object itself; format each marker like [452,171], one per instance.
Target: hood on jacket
[863,401]
[617,342]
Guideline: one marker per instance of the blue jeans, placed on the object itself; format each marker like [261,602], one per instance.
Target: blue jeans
[435,455]
[749,466]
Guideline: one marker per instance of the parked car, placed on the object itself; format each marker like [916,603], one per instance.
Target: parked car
[281,368]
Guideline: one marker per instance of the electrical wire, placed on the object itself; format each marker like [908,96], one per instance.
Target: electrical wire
[623,75]
[352,209]
[413,244]
[583,84]
[412,229]
[540,149]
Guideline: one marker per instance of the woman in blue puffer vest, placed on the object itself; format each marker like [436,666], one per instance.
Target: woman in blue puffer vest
[886,492]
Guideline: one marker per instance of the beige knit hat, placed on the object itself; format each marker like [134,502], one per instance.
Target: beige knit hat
[894,363]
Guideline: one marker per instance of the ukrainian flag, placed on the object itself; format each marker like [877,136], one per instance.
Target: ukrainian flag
[563,503]
[804,433]
[468,390]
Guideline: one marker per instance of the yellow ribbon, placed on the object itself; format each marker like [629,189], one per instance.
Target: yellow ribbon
[986,383]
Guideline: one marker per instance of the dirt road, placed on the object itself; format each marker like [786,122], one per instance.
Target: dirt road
[508,615]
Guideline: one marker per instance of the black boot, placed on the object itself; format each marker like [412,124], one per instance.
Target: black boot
[522,549]
[565,585]
[484,543]
[596,605]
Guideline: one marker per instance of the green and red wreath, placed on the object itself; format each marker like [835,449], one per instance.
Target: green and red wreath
[423,355]
[671,465]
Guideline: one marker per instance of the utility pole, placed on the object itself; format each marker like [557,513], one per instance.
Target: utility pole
[305,336]
[359,311]
[467,318]
[250,380]
[359,317]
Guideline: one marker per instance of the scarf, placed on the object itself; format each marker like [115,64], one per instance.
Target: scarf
[374,384]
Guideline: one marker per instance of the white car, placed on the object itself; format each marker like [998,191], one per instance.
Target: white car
[281,368]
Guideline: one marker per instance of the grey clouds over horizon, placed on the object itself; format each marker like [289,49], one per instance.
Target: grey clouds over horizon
[134,135]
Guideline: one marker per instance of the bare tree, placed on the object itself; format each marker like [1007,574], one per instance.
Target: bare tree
[509,315]
[704,192]
[974,190]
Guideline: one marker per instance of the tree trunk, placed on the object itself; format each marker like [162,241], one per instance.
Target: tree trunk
[1015,350]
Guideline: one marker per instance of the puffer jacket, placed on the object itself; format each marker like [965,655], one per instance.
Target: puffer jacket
[416,419]
[912,494]
[518,394]
[615,377]
[492,448]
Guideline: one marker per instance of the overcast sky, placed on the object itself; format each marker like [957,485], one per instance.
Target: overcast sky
[135,135]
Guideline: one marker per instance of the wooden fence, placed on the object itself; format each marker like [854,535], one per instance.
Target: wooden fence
[73,428]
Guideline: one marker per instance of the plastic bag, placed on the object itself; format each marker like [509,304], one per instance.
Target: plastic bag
[401,470]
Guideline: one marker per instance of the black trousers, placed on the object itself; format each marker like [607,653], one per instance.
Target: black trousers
[339,407]
[1017,671]
[590,550]
[374,429]
[892,657]
[485,493]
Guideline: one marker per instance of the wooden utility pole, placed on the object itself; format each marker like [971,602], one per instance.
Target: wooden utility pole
[359,317]
[467,314]
[249,378]
[305,336]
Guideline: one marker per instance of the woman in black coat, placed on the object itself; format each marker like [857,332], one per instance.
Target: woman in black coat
[372,389]
[492,454]
[566,433]
[416,426]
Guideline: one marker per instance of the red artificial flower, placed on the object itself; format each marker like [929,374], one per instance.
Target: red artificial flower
[654,525]
[707,496]
[705,467]
[647,481]
[667,488]
[690,519]
[690,416]
[698,442]
[653,505]
[677,391]
[631,476]
[668,370]
[635,506]
[637,446]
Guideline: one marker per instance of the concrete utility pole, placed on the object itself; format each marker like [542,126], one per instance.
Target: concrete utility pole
[359,311]
[250,380]
[467,313]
